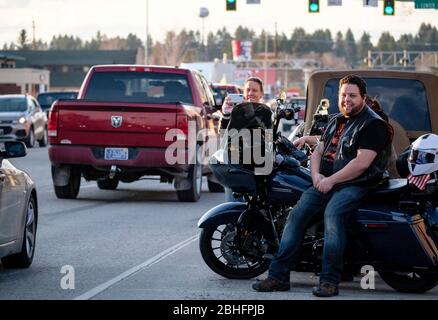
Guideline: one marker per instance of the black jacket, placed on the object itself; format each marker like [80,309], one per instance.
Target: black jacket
[348,145]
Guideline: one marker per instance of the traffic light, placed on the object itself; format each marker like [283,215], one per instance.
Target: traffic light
[313,6]
[388,7]
[231,5]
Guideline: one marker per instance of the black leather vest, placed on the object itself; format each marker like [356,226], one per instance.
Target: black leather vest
[348,145]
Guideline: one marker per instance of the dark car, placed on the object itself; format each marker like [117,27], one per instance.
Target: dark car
[47,98]
[22,119]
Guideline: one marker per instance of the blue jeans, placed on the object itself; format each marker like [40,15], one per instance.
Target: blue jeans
[337,206]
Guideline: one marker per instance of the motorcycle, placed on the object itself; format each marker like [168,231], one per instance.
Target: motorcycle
[395,230]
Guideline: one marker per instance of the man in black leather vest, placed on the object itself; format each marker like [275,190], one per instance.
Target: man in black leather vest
[350,157]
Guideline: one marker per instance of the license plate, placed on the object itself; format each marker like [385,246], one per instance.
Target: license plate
[116,153]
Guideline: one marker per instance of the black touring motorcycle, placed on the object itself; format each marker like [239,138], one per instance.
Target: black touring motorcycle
[395,230]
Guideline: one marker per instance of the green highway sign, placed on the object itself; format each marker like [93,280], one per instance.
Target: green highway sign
[426,4]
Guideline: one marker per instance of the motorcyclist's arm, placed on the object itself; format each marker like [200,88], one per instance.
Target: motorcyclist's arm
[315,162]
[351,171]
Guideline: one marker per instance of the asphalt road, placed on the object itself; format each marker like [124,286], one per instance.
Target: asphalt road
[136,243]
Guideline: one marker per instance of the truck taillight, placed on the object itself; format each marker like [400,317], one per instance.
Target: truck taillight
[182,123]
[52,126]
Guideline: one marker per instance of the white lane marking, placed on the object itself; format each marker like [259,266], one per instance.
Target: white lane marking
[99,289]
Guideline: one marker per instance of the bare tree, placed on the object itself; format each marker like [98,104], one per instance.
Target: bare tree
[175,49]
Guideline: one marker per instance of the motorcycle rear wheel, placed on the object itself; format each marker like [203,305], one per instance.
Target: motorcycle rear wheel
[219,251]
[413,282]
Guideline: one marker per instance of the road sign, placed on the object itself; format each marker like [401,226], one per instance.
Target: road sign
[334,2]
[370,3]
[426,4]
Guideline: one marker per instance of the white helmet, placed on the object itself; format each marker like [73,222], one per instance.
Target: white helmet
[423,158]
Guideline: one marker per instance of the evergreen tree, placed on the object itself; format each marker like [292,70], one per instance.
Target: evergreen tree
[299,42]
[244,34]
[406,42]
[339,45]
[224,42]
[23,41]
[133,42]
[427,38]
[386,42]
[350,48]
[284,44]
[320,41]
[364,45]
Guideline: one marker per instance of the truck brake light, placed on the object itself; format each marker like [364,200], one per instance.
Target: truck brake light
[182,123]
[139,69]
[52,125]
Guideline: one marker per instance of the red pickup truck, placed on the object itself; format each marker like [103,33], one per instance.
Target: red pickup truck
[116,129]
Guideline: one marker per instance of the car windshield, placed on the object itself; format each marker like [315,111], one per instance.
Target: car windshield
[13,104]
[142,87]
[46,99]
[299,102]
[399,98]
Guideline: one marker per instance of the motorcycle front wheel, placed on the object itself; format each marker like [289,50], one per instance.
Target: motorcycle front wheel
[410,282]
[220,252]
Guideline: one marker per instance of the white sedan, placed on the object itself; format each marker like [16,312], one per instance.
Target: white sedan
[18,210]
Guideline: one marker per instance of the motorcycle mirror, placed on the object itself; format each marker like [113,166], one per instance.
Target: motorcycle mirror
[323,107]
[282,97]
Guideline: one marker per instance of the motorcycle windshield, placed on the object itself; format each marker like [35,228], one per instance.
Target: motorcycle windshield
[250,115]
[248,139]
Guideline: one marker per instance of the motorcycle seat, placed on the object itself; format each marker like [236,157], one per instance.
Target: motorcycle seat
[390,187]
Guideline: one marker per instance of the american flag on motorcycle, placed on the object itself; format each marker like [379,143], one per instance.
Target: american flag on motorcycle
[419,181]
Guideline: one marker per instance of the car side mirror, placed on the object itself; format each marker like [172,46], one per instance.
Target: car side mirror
[323,107]
[14,149]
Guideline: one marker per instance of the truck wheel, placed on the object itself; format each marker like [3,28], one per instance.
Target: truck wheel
[194,193]
[24,258]
[30,140]
[214,187]
[107,184]
[44,140]
[71,190]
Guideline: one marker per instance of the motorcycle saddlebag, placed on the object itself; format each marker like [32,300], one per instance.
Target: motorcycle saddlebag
[395,238]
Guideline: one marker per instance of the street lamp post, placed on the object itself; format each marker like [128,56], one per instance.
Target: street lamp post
[203,13]
[146,47]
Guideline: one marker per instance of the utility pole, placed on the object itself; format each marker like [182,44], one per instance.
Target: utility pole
[146,47]
[266,59]
[33,36]
[276,42]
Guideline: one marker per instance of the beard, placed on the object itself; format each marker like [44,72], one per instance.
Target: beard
[352,111]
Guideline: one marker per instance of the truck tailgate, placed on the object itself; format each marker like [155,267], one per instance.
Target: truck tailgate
[115,124]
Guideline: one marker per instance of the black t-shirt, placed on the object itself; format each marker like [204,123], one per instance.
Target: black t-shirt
[374,137]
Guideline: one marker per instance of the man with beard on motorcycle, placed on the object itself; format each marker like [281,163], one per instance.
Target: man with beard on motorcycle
[349,159]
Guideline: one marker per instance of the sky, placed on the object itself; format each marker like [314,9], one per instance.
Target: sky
[83,18]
